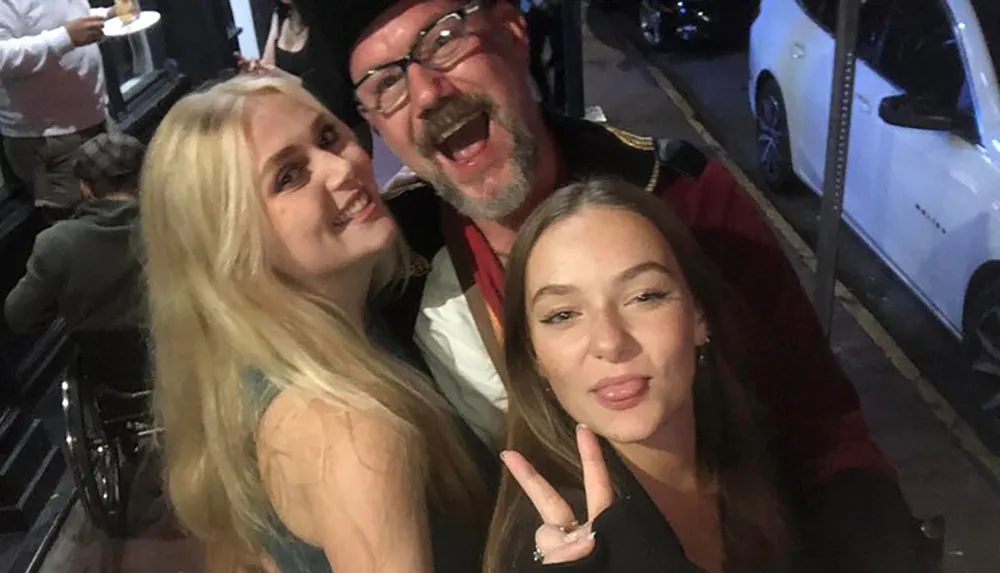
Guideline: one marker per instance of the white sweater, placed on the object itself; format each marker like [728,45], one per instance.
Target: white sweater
[47,86]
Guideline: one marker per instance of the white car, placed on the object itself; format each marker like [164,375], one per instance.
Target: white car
[923,169]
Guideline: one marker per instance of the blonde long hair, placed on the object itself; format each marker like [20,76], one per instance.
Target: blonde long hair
[218,310]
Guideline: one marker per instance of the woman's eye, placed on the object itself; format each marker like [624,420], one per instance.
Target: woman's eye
[288,177]
[558,317]
[650,296]
[327,137]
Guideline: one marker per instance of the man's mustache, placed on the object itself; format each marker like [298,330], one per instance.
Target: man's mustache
[446,114]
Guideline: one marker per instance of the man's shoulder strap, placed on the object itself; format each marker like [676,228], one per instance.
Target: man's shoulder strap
[463,261]
[631,139]
[674,156]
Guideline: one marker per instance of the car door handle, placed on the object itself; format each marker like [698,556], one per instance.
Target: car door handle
[863,104]
[798,51]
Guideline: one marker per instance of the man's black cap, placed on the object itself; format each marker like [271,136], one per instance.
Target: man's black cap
[341,23]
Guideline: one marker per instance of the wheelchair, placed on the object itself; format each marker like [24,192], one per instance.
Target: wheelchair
[105,396]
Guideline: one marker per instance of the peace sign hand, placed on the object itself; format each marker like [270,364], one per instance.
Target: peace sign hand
[561,539]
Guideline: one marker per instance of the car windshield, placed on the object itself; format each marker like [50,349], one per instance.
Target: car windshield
[988,14]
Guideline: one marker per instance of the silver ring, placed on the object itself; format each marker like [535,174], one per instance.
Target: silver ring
[537,555]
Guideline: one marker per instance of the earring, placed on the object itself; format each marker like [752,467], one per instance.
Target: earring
[548,387]
[703,349]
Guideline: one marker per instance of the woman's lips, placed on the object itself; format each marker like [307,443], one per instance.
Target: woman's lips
[358,208]
[621,393]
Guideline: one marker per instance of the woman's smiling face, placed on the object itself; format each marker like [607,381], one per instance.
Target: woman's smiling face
[613,324]
[319,189]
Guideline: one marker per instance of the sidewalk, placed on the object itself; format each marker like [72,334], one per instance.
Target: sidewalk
[938,477]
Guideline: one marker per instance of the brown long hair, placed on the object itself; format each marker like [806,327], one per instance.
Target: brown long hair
[730,440]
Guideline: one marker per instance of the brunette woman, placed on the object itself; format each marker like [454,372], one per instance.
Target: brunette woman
[627,361]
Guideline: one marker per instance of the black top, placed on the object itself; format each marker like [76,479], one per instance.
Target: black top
[325,77]
[854,526]
[344,21]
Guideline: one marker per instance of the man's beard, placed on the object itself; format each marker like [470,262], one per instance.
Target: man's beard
[522,161]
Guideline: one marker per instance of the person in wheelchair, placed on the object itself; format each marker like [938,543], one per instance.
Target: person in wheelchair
[86,269]
[294,429]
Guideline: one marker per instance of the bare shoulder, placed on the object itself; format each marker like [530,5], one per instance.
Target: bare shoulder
[339,480]
[299,435]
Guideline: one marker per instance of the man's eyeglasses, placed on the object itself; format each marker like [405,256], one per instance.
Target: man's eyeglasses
[439,45]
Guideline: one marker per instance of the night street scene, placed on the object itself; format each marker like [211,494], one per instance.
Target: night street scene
[495,286]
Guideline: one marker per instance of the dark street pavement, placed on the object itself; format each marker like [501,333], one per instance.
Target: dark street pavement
[944,468]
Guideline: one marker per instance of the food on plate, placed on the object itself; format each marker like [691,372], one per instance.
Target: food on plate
[127,10]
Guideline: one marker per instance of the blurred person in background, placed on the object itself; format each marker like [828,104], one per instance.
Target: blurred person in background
[290,51]
[86,269]
[52,93]
[545,28]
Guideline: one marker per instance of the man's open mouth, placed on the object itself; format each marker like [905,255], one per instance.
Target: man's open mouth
[465,139]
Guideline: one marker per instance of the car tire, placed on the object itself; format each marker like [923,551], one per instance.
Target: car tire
[981,326]
[774,147]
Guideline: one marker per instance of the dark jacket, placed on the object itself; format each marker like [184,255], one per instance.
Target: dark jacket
[823,444]
[83,269]
[634,537]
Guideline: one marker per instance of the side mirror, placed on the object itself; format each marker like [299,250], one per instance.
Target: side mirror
[910,111]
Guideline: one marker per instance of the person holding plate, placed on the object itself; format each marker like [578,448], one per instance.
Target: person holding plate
[52,94]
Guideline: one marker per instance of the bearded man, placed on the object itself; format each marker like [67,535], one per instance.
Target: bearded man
[446,84]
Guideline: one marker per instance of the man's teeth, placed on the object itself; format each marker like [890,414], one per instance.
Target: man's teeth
[454,129]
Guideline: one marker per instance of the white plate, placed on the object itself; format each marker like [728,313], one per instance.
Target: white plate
[146,19]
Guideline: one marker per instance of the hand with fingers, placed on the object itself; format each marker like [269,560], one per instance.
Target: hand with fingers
[86,30]
[561,537]
[253,66]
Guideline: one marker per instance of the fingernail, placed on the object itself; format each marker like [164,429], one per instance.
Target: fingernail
[503,455]
[582,427]
[573,536]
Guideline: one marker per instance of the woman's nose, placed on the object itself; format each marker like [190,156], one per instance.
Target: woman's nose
[609,337]
[337,173]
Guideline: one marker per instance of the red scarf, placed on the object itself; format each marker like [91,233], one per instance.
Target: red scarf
[476,264]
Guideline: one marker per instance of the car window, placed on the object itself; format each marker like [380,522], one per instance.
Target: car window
[822,11]
[988,14]
[872,21]
[920,54]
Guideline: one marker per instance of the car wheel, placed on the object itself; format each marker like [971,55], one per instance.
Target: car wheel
[982,339]
[650,25]
[774,148]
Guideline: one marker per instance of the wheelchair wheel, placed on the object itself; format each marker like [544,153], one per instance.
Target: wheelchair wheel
[95,458]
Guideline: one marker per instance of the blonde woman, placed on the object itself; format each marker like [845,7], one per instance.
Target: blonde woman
[291,432]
